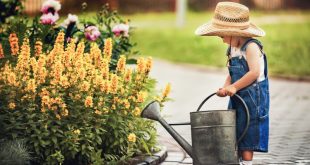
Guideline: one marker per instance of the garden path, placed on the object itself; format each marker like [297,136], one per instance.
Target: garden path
[289,112]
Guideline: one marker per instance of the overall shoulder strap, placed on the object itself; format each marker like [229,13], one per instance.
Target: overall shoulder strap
[228,51]
[245,45]
[260,45]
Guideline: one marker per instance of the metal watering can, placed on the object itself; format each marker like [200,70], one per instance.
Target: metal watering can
[213,133]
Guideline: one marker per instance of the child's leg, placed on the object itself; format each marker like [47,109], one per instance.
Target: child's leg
[247,155]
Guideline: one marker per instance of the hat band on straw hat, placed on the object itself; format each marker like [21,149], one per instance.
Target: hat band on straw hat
[226,19]
[221,25]
[220,21]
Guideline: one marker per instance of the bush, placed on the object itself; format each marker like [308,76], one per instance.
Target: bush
[69,94]
[68,105]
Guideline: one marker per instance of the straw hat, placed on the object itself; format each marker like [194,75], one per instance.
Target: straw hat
[230,19]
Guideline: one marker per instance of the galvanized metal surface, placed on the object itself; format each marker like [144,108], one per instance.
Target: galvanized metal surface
[214,136]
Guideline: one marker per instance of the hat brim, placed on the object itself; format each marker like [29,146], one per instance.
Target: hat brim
[208,29]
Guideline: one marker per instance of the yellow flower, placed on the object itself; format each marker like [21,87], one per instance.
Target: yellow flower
[149,64]
[57,70]
[115,99]
[127,76]
[141,96]
[44,92]
[22,65]
[82,73]
[105,86]
[105,68]
[107,51]
[31,86]
[105,110]
[126,103]
[11,78]
[42,73]
[77,97]
[85,86]
[34,65]
[137,111]
[13,39]
[141,65]
[12,105]
[64,82]
[167,90]
[132,137]
[88,101]
[38,48]
[65,112]
[79,51]
[98,80]
[58,116]
[95,54]
[60,37]
[45,100]
[1,51]
[98,112]
[69,54]
[77,132]
[121,64]
[114,83]
[43,110]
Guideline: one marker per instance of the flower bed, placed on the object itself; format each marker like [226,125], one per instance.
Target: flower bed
[72,98]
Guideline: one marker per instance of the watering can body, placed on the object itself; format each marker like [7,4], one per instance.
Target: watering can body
[214,137]
[213,133]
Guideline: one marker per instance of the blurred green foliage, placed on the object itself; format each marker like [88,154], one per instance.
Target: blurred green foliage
[286,43]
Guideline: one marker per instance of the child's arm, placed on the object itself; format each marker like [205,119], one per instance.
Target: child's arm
[252,56]
[221,92]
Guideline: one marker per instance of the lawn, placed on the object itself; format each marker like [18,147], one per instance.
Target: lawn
[287,42]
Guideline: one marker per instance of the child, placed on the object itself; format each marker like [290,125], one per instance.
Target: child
[247,74]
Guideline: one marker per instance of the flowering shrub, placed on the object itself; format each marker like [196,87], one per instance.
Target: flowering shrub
[66,91]
[70,108]
[107,24]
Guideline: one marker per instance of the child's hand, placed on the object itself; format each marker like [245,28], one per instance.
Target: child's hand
[221,92]
[230,90]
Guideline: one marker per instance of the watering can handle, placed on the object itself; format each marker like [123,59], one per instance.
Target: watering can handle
[245,108]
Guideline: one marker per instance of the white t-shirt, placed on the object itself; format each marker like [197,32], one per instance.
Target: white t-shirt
[236,52]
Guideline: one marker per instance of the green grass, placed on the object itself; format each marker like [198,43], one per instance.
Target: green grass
[287,43]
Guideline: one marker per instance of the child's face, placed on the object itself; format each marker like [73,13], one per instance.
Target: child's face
[226,39]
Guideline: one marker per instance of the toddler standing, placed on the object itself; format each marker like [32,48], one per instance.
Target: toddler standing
[247,65]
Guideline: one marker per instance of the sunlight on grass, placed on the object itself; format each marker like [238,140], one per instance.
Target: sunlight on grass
[286,43]
[287,48]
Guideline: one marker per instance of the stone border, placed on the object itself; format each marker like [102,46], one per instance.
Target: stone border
[154,159]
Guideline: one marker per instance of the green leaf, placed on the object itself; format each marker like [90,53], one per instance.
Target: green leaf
[131,61]
[54,140]
[145,146]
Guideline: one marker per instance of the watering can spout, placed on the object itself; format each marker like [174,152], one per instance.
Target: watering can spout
[152,111]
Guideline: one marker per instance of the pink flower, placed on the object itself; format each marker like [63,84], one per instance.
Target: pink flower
[92,33]
[49,19]
[121,29]
[70,19]
[50,6]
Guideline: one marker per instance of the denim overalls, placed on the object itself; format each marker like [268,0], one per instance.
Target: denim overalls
[256,96]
